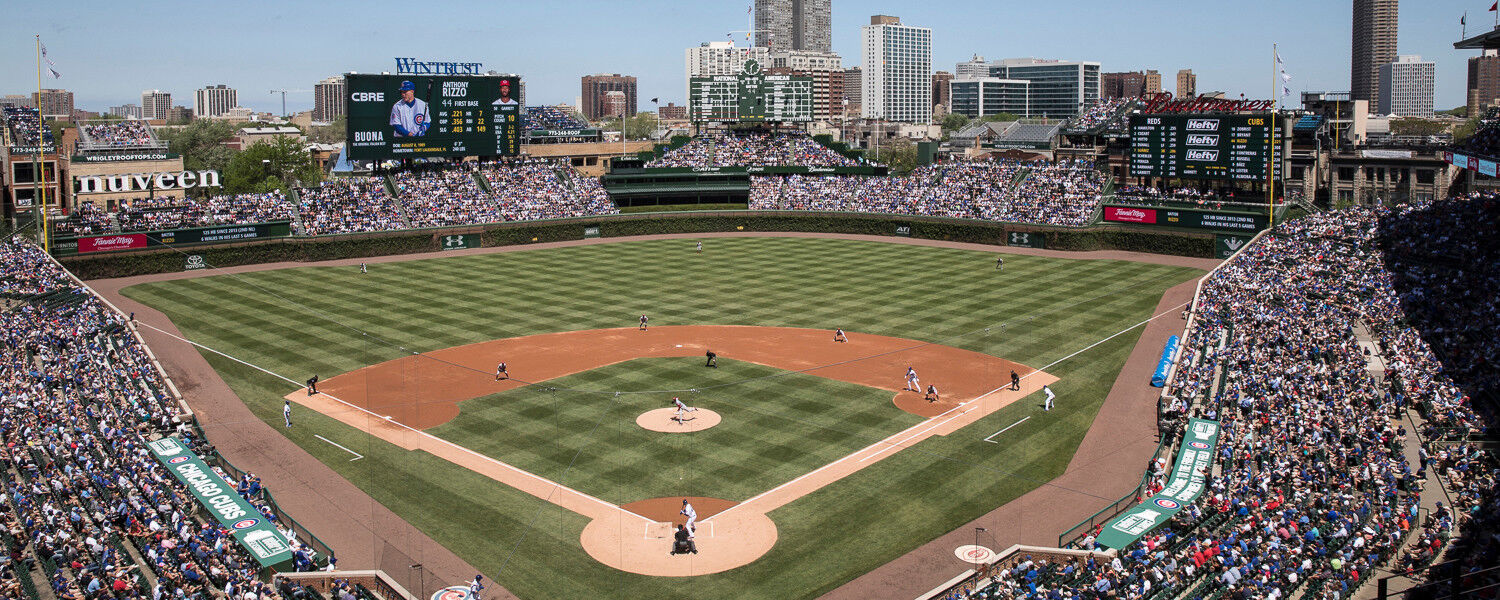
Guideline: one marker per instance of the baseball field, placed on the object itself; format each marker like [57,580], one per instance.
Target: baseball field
[819,467]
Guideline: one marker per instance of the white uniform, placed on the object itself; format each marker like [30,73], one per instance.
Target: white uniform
[912,383]
[682,409]
[1047,405]
[286,412]
[405,115]
[700,246]
[692,518]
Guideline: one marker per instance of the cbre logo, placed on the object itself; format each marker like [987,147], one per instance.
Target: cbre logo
[1201,139]
[1203,155]
[1203,125]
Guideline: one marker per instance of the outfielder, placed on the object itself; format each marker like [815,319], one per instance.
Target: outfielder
[682,409]
[1047,404]
[409,115]
[912,383]
[363,269]
[692,518]
[999,263]
[700,247]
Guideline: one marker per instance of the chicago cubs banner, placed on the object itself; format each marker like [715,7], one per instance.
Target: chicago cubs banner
[244,521]
[1194,462]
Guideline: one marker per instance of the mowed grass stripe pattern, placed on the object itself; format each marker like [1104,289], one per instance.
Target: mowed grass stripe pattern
[1049,308]
[776,428]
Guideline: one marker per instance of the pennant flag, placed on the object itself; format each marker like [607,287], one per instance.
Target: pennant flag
[1496,6]
[55,74]
[1286,90]
[1464,19]
[50,70]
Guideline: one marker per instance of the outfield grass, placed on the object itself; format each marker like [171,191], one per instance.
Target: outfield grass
[778,425]
[330,320]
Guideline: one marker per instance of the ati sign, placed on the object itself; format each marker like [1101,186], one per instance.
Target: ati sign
[1026,239]
[459,242]
[590,232]
[903,230]
[1226,245]
[142,182]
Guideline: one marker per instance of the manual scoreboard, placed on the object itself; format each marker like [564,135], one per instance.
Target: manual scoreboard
[750,97]
[419,116]
[1201,146]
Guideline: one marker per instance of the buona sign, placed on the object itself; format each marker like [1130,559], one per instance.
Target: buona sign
[1163,103]
[141,182]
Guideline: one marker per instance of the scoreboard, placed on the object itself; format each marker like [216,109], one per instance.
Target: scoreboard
[418,116]
[750,97]
[1201,146]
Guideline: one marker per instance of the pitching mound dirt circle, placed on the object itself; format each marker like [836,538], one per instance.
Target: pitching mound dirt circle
[640,541]
[662,420]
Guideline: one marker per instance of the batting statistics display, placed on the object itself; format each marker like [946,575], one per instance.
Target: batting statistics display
[750,97]
[414,116]
[1201,146]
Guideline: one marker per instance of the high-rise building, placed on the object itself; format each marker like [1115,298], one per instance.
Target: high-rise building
[672,112]
[1123,85]
[1056,89]
[18,100]
[720,58]
[215,101]
[125,111]
[1153,82]
[155,104]
[328,99]
[854,91]
[1187,84]
[941,95]
[54,104]
[612,103]
[179,114]
[1484,82]
[596,86]
[974,67]
[782,25]
[1374,44]
[977,97]
[1406,87]
[897,63]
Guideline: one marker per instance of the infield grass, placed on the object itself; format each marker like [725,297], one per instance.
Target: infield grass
[329,320]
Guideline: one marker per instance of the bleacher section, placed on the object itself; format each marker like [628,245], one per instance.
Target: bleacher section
[23,127]
[1106,115]
[1027,135]
[752,149]
[132,134]
[551,117]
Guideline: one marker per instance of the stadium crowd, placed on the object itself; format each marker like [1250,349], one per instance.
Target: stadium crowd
[1065,193]
[551,117]
[123,134]
[753,148]
[86,506]
[154,214]
[538,189]
[1100,114]
[26,126]
[349,205]
[445,195]
[1314,489]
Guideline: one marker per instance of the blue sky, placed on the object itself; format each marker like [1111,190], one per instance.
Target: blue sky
[109,52]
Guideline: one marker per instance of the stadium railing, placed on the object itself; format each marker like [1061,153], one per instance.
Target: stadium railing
[303,533]
[378,582]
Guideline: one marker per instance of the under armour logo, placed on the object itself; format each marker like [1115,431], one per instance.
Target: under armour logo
[453,241]
[1020,238]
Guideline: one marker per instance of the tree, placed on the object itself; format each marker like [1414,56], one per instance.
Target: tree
[999,117]
[268,166]
[331,133]
[1463,131]
[955,122]
[201,144]
[637,127]
[900,154]
[1414,126]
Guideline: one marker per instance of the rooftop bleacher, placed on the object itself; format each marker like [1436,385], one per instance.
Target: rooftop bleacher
[24,128]
[130,134]
[551,117]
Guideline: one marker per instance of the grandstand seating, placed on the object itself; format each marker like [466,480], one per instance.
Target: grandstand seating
[755,148]
[551,117]
[1486,139]
[25,127]
[1105,115]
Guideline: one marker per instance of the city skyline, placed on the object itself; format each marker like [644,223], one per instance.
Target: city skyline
[308,44]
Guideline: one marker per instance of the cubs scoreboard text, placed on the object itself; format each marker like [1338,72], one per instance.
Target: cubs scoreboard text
[1224,146]
[750,97]
[417,116]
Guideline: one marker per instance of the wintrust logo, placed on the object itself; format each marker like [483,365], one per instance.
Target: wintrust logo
[1202,125]
[1203,155]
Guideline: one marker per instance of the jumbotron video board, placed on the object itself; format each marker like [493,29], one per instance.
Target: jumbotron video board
[750,97]
[419,116]
[1201,146]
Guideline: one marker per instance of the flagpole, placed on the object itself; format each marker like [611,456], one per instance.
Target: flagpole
[1271,167]
[41,165]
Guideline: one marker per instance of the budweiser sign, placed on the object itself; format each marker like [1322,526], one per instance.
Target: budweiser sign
[105,243]
[1130,215]
[1163,103]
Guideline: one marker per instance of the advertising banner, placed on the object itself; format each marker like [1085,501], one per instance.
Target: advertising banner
[106,243]
[1130,215]
[177,237]
[459,242]
[1026,239]
[1486,167]
[1225,245]
[1195,460]
[245,523]
[1187,217]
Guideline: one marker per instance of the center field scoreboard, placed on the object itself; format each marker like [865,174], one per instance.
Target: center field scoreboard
[750,97]
[421,116]
[1201,146]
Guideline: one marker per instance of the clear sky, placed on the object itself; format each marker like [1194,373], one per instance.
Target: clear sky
[108,52]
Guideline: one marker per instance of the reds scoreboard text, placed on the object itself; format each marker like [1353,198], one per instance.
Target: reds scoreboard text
[1222,146]
[750,97]
[416,116]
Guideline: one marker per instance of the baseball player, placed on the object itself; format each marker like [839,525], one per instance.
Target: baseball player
[713,359]
[500,372]
[363,269]
[700,247]
[932,393]
[692,518]
[1047,404]
[840,336]
[409,115]
[475,587]
[912,383]
[286,412]
[999,263]
[1015,380]
[643,322]
[312,385]
[682,409]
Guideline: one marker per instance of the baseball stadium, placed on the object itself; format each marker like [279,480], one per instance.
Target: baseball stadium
[746,361]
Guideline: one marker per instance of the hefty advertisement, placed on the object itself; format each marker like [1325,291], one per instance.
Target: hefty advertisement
[1130,215]
[105,243]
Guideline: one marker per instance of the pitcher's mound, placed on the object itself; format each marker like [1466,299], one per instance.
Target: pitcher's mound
[662,420]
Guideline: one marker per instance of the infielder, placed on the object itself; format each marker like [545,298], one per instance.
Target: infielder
[682,409]
[912,383]
[692,515]
[840,336]
[500,372]
[713,359]
[286,412]
[643,322]
[932,393]
[1047,404]
[409,116]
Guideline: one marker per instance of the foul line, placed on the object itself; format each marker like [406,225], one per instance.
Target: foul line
[1004,430]
[357,455]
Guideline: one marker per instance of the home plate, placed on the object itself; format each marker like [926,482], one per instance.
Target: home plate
[970,553]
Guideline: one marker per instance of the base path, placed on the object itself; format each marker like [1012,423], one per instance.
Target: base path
[397,399]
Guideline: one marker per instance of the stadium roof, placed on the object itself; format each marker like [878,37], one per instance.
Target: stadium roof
[1489,40]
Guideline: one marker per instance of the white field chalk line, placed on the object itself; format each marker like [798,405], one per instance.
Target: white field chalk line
[1004,430]
[357,455]
[555,485]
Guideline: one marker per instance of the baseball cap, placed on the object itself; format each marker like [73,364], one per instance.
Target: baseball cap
[407,85]
[504,83]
